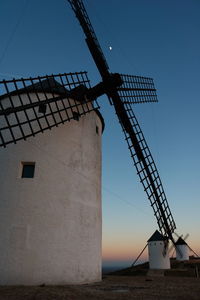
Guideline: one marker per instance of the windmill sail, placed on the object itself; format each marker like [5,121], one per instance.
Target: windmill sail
[148,174]
[145,165]
[137,89]
[133,90]
[33,105]
[91,39]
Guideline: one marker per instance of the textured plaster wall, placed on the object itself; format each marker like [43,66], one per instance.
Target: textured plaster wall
[50,225]
[182,252]
[156,258]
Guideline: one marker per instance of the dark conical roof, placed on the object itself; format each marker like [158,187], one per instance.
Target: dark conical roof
[49,85]
[157,236]
[180,241]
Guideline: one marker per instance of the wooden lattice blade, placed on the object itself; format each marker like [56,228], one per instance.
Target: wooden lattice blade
[145,165]
[137,89]
[91,39]
[33,105]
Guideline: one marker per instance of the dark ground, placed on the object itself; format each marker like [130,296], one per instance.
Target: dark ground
[181,282]
[112,287]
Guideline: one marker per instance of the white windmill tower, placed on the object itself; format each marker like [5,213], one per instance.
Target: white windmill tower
[182,249]
[158,252]
[50,208]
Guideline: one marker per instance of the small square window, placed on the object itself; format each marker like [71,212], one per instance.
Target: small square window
[28,169]
[76,115]
[42,108]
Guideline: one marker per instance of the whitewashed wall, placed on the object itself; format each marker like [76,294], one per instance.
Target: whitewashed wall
[156,258]
[182,252]
[50,225]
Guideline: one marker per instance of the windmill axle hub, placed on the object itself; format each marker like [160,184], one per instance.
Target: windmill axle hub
[104,87]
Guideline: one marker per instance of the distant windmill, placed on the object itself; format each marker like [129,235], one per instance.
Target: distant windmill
[182,248]
[34,105]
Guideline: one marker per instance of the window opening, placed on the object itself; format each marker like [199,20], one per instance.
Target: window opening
[28,169]
[76,115]
[42,108]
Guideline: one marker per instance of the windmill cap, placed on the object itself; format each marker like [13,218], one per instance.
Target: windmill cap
[157,236]
[48,85]
[44,86]
[180,241]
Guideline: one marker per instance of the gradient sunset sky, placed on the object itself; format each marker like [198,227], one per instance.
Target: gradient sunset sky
[154,38]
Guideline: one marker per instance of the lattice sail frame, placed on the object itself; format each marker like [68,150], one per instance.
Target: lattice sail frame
[144,178]
[91,39]
[137,89]
[33,105]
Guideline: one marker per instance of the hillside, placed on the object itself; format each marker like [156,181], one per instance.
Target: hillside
[137,283]
[189,268]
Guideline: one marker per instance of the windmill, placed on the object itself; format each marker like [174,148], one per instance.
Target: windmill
[182,248]
[53,100]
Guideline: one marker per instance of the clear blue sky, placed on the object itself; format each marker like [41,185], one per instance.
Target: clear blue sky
[153,38]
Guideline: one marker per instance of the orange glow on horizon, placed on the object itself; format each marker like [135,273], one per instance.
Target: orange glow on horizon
[125,253]
[122,251]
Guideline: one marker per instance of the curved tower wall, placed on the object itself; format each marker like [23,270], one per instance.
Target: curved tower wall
[50,225]
[156,258]
[182,252]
